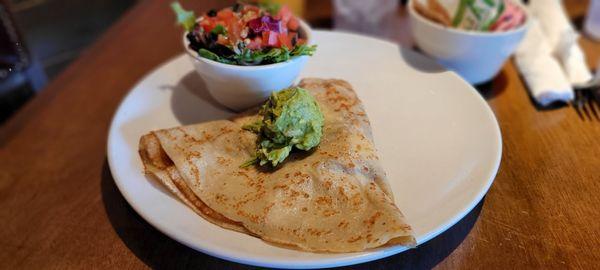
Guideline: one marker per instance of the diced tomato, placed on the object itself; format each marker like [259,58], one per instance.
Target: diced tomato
[284,14]
[293,24]
[225,14]
[222,40]
[285,39]
[250,8]
[234,28]
[207,24]
[255,44]
[210,23]
[270,39]
[301,41]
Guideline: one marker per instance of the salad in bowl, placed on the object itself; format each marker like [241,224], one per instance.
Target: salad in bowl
[245,34]
[245,52]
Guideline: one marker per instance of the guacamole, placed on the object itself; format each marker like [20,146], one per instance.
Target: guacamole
[291,118]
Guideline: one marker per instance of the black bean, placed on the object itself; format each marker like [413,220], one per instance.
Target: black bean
[195,40]
[237,7]
[213,36]
[221,50]
[212,13]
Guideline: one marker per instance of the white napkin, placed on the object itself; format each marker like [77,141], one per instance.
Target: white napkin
[541,71]
[562,38]
[549,58]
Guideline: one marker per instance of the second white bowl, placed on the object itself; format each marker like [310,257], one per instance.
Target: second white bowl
[475,56]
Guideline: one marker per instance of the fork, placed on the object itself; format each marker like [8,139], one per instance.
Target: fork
[587,98]
[587,103]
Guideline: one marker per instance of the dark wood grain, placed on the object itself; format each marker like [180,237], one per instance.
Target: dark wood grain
[59,206]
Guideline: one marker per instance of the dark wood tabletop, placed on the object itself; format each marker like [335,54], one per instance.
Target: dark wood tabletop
[60,208]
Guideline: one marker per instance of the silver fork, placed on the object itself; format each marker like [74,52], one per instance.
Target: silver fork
[587,103]
[587,98]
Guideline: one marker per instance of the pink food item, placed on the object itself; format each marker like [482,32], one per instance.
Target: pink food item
[512,17]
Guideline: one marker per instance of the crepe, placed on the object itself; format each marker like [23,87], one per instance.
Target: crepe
[335,198]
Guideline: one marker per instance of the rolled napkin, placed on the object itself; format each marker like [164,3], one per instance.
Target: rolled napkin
[562,38]
[542,72]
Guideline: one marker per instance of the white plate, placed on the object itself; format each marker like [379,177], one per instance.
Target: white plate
[438,140]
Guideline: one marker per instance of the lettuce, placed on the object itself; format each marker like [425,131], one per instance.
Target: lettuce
[213,56]
[185,18]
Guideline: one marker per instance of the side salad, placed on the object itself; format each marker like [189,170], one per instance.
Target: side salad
[479,15]
[245,34]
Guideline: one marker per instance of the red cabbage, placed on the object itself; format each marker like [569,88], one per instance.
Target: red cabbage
[265,23]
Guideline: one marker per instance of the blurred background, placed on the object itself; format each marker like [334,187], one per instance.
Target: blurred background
[39,38]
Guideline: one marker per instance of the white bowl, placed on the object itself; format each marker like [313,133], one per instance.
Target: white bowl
[242,87]
[476,56]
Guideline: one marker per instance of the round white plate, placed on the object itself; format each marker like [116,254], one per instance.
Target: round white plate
[438,140]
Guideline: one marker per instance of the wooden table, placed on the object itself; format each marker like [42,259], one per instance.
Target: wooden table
[59,206]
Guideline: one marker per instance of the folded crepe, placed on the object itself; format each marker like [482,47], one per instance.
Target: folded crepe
[335,198]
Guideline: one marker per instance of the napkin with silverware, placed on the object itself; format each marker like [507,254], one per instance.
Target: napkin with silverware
[549,58]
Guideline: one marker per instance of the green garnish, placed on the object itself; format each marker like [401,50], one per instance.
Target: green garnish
[480,13]
[270,6]
[291,119]
[213,56]
[219,30]
[490,3]
[185,18]
[460,12]
[277,55]
[246,56]
[476,11]
[304,50]
[489,24]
